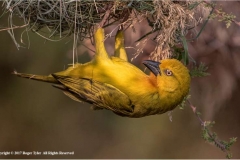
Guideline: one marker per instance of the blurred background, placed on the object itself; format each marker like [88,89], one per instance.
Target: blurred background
[34,116]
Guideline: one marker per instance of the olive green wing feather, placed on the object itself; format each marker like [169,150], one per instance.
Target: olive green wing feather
[102,95]
[65,90]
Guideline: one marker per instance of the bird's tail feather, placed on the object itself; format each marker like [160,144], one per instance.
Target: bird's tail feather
[49,79]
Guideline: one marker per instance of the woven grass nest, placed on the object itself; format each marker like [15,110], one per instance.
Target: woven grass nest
[170,20]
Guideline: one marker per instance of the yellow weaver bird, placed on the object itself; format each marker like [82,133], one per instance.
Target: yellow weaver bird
[115,84]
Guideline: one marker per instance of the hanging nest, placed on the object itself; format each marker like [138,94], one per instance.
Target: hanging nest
[169,19]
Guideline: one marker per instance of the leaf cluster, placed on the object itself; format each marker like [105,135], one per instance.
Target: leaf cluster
[183,103]
[213,139]
[199,71]
[222,16]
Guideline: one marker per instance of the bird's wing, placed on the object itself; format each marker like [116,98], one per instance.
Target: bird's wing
[65,90]
[100,94]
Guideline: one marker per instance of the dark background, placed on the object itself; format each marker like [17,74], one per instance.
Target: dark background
[37,117]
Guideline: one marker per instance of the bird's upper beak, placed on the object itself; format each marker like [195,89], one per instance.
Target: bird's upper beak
[153,66]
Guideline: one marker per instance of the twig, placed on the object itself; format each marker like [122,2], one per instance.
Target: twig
[88,48]
[106,16]
[236,22]
[203,124]
[10,28]
[14,40]
[74,35]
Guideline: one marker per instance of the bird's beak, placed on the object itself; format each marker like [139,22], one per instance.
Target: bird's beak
[153,66]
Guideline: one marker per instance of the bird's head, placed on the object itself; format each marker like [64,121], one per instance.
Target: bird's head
[171,76]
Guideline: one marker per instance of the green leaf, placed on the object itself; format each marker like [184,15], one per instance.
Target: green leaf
[199,71]
[198,113]
[183,103]
[229,156]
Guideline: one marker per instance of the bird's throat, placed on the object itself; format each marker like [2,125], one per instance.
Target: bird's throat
[153,79]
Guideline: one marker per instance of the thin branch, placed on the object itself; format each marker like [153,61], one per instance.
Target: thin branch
[203,124]
[74,35]
[221,14]
[106,16]
[11,28]
[88,48]
[236,22]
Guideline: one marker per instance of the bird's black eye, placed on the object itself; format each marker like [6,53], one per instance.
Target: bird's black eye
[168,72]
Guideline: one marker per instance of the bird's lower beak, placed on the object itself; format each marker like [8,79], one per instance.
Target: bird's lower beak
[153,66]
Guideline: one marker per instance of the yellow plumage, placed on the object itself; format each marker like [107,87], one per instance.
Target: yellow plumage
[115,84]
[119,46]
